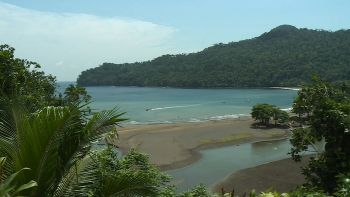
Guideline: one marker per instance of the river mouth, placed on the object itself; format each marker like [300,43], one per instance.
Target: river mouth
[219,162]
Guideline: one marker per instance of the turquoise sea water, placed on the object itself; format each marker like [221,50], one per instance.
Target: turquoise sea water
[151,105]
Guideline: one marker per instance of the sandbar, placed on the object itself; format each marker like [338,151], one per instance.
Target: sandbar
[172,146]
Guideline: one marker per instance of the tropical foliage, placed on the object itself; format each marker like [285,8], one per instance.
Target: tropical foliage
[73,94]
[107,175]
[23,78]
[9,185]
[53,142]
[285,56]
[342,189]
[265,112]
[199,190]
[267,193]
[329,123]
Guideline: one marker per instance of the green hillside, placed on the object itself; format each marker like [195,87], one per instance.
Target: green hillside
[285,56]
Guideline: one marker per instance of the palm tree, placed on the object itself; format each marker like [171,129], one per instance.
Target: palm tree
[75,94]
[54,143]
[71,92]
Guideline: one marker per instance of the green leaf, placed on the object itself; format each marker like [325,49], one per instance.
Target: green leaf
[10,183]
[338,194]
[285,194]
[28,185]
[252,193]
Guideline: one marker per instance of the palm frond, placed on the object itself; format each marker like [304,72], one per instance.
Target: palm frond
[70,181]
[127,183]
[33,140]
[103,123]
[10,183]
[52,142]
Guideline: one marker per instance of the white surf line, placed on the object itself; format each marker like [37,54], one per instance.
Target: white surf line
[285,88]
[160,108]
[287,109]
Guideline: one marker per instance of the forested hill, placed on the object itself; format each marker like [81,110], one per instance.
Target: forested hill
[285,56]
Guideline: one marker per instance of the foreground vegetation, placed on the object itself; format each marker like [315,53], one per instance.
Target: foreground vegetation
[323,115]
[47,144]
[327,109]
[285,56]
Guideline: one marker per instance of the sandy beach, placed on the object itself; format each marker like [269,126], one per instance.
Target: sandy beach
[172,146]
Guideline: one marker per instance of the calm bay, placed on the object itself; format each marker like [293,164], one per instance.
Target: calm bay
[153,105]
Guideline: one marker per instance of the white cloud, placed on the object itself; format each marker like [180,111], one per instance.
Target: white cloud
[79,39]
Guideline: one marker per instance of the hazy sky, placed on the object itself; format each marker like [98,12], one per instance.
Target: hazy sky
[67,37]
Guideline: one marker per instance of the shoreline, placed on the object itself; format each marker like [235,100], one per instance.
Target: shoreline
[174,146]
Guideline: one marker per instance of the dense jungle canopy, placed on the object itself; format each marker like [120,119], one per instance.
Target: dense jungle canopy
[285,56]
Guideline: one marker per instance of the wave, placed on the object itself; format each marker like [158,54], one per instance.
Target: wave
[178,106]
[287,109]
[187,120]
[191,119]
[285,88]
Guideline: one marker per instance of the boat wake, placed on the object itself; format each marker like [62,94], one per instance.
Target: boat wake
[178,106]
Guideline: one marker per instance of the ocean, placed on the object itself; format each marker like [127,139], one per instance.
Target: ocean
[157,105]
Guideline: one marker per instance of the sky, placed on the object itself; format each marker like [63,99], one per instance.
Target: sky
[67,37]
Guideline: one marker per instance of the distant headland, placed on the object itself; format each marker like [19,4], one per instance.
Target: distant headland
[283,57]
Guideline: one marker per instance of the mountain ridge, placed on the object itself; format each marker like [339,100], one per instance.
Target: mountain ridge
[284,56]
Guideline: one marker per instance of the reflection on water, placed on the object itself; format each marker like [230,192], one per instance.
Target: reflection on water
[218,163]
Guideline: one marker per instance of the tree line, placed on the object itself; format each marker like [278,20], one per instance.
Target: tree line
[285,56]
